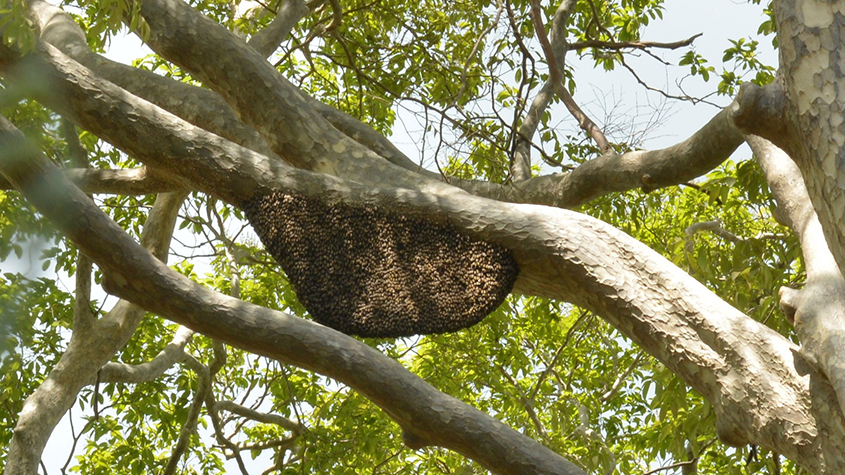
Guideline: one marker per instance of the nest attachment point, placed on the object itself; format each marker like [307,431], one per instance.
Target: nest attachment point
[366,272]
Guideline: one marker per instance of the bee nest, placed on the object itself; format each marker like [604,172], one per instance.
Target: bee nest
[366,272]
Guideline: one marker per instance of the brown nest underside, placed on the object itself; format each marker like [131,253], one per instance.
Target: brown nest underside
[366,272]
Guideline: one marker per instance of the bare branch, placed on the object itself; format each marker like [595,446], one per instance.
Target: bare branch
[268,40]
[217,424]
[173,353]
[715,227]
[131,181]
[190,424]
[521,165]
[264,417]
[633,44]
[556,78]
[685,97]
[645,169]
[794,205]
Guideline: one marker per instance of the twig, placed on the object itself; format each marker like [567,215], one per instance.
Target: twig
[621,378]
[556,78]
[670,467]
[643,45]
[190,424]
[475,50]
[264,417]
[685,97]
[527,404]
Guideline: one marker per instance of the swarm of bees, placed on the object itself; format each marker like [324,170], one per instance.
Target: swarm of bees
[366,272]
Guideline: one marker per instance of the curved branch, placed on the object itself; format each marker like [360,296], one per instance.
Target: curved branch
[264,417]
[196,105]
[645,169]
[130,118]
[174,352]
[818,309]
[650,170]
[268,40]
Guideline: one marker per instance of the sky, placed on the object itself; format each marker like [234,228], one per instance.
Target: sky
[718,20]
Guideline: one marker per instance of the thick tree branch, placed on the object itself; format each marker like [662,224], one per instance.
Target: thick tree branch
[553,261]
[273,106]
[818,309]
[810,100]
[760,111]
[196,105]
[646,169]
[130,181]
[431,416]
[199,106]
[639,169]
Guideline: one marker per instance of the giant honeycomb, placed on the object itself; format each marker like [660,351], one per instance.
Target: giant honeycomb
[366,272]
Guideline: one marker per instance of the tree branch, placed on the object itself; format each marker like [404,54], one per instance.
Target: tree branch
[616,45]
[667,167]
[432,417]
[196,105]
[130,181]
[264,417]
[817,310]
[521,166]
[715,227]
[553,262]
[90,346]
[268,40]
[556,75]
[645,169]
[174,352]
